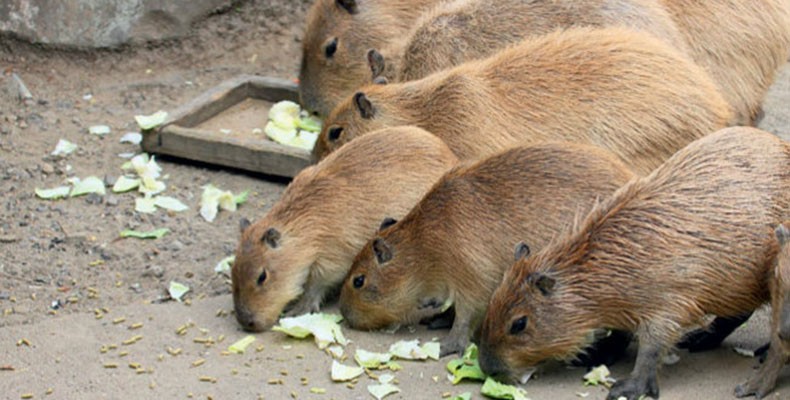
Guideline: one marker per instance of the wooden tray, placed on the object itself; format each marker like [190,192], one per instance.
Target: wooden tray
[185,134]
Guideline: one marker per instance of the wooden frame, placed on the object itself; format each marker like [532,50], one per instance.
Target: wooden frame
[178,137]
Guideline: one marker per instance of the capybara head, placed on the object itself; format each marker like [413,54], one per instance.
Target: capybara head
[270,268]
[333,62]
[783,277]
[359,114]
[381,290]
[534,315]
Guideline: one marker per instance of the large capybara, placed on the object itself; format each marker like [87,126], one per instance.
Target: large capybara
[763,382]
[618,89]
[693,238]
[457,241]
[338,35]
[463,30]
[740,43]
[304,246]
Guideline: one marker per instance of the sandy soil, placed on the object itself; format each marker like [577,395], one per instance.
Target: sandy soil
[68,253]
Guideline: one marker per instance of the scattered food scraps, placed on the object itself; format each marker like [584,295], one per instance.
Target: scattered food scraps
[90,184]
[494,389]
[54,193]
[155,234]
[148,122]
[290,126]
[124,184]
[132,137]
[64,147]
[99,130]
[371,360]
[324,327]
[241,345]
[466,367]
[145,205]
[223,266]
[170,203]
[177,290]
[411,350]
[384,389]
[463,396]
[597,376]
[343,373]
[214,198]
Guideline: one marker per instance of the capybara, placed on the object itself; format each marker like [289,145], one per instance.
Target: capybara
[338,35]
[693,238]
[740,43]
[304,246]
[764,380]
[457,241]
[619,89]
[464,30]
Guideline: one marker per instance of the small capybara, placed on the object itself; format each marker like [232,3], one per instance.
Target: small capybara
[618,89]
[693,238]
[464,30]
[457,241]
[740,43]
[764,380]
[338,35]
[304,246]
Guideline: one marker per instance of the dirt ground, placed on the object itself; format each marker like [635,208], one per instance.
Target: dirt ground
[62,264]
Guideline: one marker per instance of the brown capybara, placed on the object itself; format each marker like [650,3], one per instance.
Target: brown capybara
[464,30]
[618,89]
[740,43]
[693,238]
[304,246]
[764,380]
[457,241]
[338,35]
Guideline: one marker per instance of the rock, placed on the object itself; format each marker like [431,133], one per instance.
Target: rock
[47,168]
[98,24]
[153,271]
[109,180]
[112,201]
[94,198]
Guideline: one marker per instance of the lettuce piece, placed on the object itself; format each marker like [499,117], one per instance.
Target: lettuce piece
[90,184]
[466,367]
[285,114]
[342,373]
[323,327]
[99,130]
[64,147]
[223,266]
[494,389]
[54,193]
[170,203]
[145,205]
[599,375]
[371,360]
[124,184]
[155,234]
[239,346]
[148,122]
[177,290]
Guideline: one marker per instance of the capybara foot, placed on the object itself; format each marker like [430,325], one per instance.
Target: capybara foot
[754,387]
[634,388]
[605,351]
[711,338]
[452,345]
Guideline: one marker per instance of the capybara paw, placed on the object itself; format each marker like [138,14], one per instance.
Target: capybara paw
[758,386]
[303,307]
[451,346]
[633,389]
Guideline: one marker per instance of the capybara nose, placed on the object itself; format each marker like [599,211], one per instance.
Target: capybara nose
[247,319]
[492,366]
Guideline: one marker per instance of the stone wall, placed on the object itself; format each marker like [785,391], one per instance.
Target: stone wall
[101,23]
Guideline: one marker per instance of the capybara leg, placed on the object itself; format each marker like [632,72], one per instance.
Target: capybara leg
[310,301]
[441,321]
[605,351]
[458,338]
[711,337]
[644,377]
[764,380]
[762,352]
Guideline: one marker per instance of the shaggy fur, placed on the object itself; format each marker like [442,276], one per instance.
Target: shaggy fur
[323,81]
[621,90]
[764,380]
[740,43]
[694,238]
[324,218]
[457,241]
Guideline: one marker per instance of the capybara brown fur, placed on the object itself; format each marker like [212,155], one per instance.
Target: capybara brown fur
[621,90]
[457,241]
[304,246]
[337,36]
[740,43]
[693,238]
[764,380]
[464,30]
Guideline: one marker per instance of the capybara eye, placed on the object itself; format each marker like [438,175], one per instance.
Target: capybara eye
[359,281]
[331,48]
[262,277]
[334,133]
[518,326]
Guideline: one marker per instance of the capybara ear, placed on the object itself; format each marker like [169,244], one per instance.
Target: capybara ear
[348,5]
[382,250]
[386,223]
[782,233]
[364,105]
[522,251]
[376,63]
[244,223]
[542,282]
[272,238]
